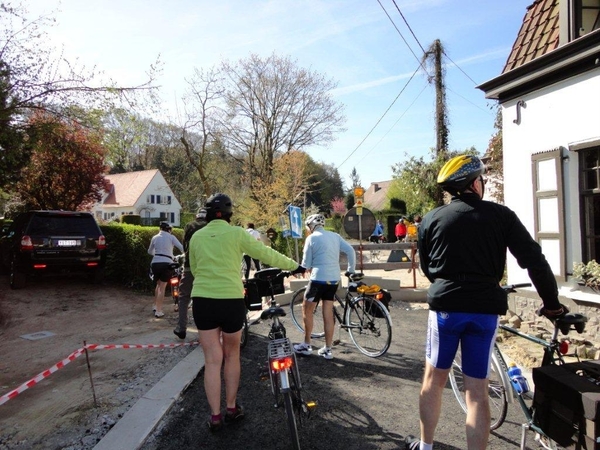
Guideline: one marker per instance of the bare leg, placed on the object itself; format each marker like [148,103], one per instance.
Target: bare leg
[308,311]
[159,294]
[328,322]
[478,415]
[232,369]
[213,357]
[430,400]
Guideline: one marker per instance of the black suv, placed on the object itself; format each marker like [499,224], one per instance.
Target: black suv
[53,241]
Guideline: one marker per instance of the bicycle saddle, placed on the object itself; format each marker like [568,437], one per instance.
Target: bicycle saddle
[578,320]
[273,311]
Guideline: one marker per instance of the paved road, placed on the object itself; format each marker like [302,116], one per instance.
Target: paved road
[363,403]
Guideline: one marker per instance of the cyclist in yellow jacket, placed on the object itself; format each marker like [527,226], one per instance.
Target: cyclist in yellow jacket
[218,300]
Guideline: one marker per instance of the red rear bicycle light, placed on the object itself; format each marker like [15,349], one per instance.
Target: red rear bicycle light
[26,244]
[379,295]
[563,347]
[174,280]
[282,363]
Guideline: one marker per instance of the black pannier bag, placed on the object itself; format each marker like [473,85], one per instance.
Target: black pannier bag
[258,287]
[252,296]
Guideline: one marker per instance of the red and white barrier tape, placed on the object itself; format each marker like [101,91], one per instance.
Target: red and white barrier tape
[77,353]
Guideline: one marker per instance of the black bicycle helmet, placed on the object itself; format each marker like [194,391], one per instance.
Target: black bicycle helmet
[459,172]
[219,206]
[165,226]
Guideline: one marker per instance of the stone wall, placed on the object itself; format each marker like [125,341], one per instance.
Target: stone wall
[522,315]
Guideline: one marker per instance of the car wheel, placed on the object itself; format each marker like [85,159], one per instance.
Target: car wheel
[17,279]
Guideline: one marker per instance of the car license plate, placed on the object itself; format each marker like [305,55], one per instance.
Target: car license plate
[68,243]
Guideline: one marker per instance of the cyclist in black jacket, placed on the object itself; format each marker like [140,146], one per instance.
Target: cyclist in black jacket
[462,250]
[187,279]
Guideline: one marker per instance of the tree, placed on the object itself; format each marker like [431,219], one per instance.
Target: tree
[272,107]
[66,169]
[354,179]
[494,160]
[269,200]
[33,79]
[415,181]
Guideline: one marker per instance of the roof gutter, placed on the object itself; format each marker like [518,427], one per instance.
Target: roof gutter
[576,57]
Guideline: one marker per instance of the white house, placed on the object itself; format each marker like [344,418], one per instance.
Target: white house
[145,193]
[549,93]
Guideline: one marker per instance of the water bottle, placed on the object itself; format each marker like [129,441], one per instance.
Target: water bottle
[517,379]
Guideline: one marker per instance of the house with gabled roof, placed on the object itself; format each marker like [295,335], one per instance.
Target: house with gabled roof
[145,192]
[376,195]
[549,94]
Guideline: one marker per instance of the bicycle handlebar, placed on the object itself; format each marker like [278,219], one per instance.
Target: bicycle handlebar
[513,287]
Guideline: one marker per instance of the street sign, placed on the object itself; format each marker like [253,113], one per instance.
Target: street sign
[295,221]
[285,226]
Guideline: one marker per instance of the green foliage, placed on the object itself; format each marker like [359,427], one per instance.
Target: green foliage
[131,219]
[588,274]
[127,259]
[187,217]
[398,205]
[66,169]
[494,160]
[415,181]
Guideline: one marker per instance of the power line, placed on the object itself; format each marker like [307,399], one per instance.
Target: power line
[379,120]
[409,28]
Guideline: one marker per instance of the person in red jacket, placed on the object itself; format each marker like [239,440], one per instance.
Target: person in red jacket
[400,230]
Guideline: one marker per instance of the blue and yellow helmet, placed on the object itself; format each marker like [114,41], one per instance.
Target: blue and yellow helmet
[459,172]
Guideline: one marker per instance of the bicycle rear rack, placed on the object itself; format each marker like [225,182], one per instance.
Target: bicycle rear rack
[280,348]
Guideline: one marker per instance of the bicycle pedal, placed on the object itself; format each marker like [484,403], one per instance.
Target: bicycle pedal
[311,404]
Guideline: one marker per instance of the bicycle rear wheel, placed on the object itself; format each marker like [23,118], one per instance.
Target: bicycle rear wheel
[291,419]
[296,310]
[369,325]
[496,390]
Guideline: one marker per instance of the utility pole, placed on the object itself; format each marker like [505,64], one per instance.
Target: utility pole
[434,57]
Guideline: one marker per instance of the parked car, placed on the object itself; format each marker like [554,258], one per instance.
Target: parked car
[39,242]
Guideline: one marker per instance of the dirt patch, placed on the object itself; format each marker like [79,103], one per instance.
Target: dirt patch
[49,320]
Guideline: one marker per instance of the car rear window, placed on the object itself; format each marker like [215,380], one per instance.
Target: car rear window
[66,225]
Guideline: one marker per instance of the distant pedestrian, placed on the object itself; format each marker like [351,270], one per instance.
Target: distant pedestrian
[161,249]
[187,279]
[400,230]
[247,259]
[377,235]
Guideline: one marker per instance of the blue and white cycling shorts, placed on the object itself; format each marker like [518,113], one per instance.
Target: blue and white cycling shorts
[476,334]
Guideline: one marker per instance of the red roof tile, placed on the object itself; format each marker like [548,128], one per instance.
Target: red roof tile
[538,35]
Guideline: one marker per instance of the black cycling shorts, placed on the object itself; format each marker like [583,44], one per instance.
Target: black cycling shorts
[316,291]
[162,271]
[228,314]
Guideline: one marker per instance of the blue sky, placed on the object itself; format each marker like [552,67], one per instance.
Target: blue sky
[351,41]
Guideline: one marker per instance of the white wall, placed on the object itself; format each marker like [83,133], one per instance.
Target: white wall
[559,115]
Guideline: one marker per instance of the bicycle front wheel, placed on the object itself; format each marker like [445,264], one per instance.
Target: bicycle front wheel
[369,325]
[296,310]
[291,419]
[496,390]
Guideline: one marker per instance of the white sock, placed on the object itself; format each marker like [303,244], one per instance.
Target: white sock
[424,446]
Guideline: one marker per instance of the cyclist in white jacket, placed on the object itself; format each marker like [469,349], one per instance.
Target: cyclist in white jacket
[321,256]
[161,249]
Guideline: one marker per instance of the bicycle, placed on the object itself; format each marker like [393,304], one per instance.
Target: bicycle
[364,317]
[501,391]
[375,254]
[283,368]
